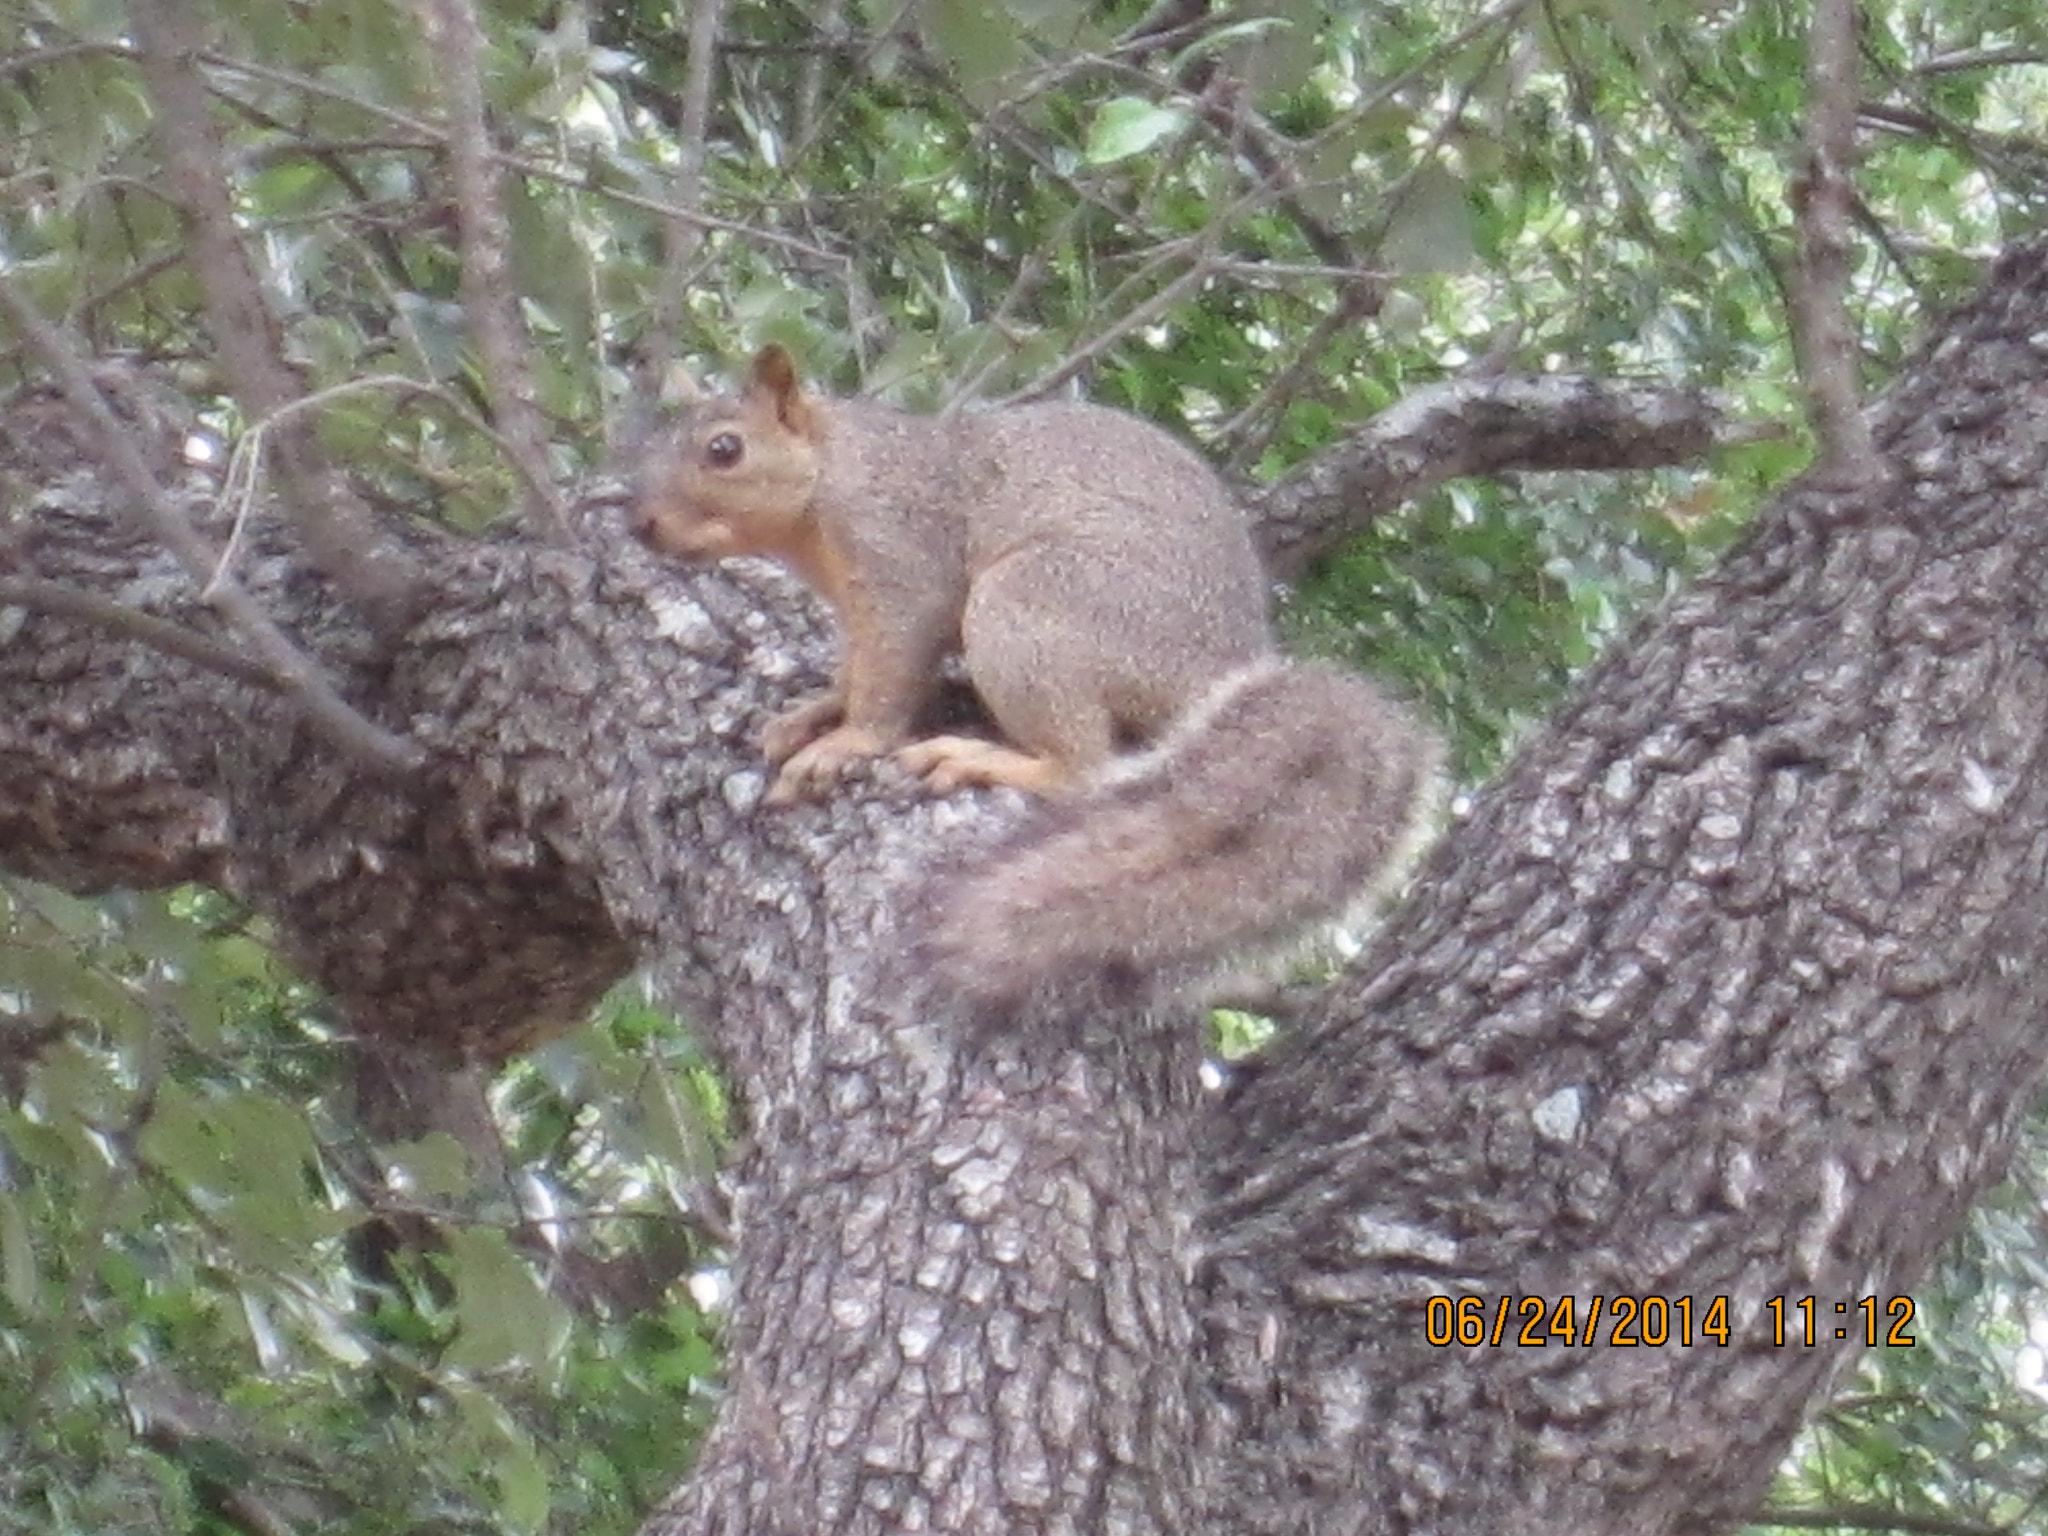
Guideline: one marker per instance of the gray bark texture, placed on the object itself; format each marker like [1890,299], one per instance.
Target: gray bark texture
[1732,986]
[1727,988]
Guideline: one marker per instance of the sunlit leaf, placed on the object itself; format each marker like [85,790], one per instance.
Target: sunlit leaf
[1130,125]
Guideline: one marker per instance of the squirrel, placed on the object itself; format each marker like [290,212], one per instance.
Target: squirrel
[1200,796]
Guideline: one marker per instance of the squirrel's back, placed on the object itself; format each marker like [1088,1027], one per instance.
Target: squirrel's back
[1155,561]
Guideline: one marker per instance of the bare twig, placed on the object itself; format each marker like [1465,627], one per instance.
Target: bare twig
[1135,318]
[829,19]
[581,181]
[339,529]
[1824,210]
[43,58]
[489,299]
[684,232]
[156,514]
[1874,1517]
[159,634]
[1979,58]
[1029,278]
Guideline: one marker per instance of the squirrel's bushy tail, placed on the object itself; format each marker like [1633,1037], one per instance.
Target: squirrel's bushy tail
[1275,803]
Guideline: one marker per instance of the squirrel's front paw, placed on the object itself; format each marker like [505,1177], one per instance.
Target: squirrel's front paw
[814,769]
[797,727]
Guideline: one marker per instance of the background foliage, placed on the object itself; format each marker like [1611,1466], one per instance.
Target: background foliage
[228,1299]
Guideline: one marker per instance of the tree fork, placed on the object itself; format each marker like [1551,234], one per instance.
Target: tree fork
[1727,988]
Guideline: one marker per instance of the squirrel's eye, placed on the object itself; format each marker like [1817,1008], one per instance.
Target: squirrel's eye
[724,450]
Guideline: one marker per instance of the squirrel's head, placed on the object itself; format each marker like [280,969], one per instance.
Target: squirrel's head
[737,475]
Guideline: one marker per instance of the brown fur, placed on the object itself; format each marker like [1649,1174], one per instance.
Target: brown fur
[1272,806]
[1203,795]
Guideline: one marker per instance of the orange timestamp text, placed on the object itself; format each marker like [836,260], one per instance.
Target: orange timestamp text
[1634,1322]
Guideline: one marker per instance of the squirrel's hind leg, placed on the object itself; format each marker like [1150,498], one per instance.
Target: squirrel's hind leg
[947,763]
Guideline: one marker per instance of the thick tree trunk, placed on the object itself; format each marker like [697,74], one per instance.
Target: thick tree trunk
[1728,989]
[1732,988]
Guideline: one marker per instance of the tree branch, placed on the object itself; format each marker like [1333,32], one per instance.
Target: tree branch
[581,181]
[1824,208]
[171,638]
[490,299]
[1477,426]
[363,739]
[1874,1517]
[340,530]
[1139,315]
[684,231]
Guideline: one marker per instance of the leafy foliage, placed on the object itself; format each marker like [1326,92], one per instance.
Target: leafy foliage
[216,1284]
[1955,1428]
[207,1302]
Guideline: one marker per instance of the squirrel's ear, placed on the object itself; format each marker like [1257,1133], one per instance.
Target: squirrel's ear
[775,377]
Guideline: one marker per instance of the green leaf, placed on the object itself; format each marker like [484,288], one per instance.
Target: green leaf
[20,1280]
[507,1316]
[1130,125]
[981,41]
[435,1166]
[510,1455]
[1431,230]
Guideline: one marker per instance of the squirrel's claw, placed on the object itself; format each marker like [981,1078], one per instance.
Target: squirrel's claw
[814,769]
[797,727]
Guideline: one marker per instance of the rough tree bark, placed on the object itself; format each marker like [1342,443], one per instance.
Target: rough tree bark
[1728,988]
[1731,987]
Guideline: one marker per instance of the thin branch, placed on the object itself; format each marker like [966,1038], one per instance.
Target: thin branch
[155,513]
[1250,431]
[1979,58]
[581,181]
[399,383]
[1502,16]
[1135,318]
[1240,438]
[42,58]
[584,181]
[339,529]
[159,634]
[327,152]
[1224,104]
[1875,1517]
[1824,211]
[89,304]
[684,233]
[1028,280]
[1106,325]
[829,20]
[489,299]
